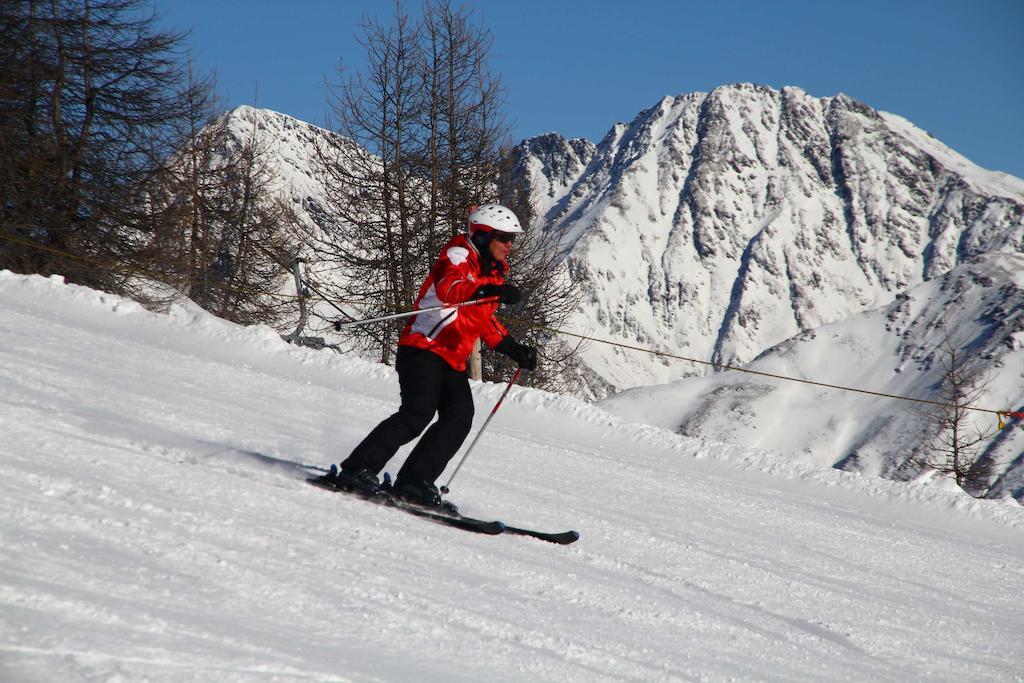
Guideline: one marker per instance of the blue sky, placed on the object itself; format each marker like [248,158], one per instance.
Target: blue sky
[953,67]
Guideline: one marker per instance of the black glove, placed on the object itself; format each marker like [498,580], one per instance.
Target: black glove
[525,356]
[509,294]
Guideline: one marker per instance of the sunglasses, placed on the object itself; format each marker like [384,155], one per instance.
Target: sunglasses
[504,237]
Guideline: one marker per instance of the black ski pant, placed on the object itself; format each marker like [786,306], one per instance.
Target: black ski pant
[429,386]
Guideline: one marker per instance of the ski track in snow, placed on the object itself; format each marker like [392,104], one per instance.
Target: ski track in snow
[155,526]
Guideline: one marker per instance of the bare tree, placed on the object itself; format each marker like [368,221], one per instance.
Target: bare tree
[463,116]
[226,235]
[249,252]
[426,127]
[89,90]
[953,444]
[181,197]
[373,196]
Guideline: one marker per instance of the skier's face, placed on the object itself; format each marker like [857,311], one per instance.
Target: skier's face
[501,245]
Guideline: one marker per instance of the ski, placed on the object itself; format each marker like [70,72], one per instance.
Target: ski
[472,524]
[479,526]
[561,538]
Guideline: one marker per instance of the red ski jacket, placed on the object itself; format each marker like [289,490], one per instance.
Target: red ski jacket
[451,333]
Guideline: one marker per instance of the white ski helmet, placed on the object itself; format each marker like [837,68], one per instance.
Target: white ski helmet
[491,217]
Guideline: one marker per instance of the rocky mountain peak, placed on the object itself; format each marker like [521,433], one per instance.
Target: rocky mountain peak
[716,225]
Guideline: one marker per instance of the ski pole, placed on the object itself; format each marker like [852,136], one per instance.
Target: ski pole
[444,489]
[338,325]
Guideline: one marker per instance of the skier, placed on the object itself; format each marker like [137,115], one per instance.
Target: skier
[431,362]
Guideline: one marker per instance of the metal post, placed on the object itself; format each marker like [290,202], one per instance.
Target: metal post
[301,293]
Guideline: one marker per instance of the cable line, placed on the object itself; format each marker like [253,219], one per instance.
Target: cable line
[721,366]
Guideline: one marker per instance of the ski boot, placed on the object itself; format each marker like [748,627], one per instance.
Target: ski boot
[422,493]
[364,482]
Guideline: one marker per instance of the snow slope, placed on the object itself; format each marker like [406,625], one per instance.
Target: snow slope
[154,526]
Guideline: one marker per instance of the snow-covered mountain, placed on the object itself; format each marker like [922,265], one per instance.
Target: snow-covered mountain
[155,526]
[290,147]
[716,225]
[719,225]
[898,350]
